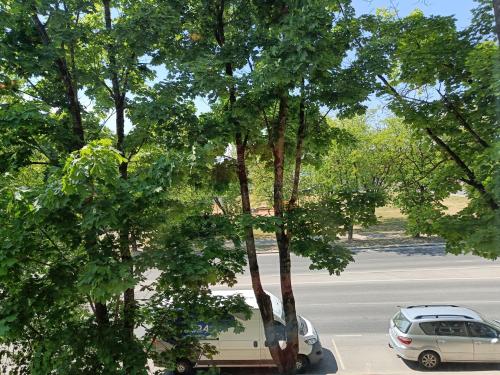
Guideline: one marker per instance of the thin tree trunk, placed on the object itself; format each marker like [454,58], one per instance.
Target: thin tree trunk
[289,354]
[124,243]
[263,300]
[350,232]
[301,133]
[496,10]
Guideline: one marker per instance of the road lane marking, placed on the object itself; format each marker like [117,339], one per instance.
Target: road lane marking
[350,335]
[341,363]
[413,303]
[407,269]
[397,280]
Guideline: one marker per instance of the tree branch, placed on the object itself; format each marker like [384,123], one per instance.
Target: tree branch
[462,120]
[301,133]
[71,92]
[472,180]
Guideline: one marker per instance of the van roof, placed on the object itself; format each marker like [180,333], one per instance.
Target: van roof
[247,294]
[422,312]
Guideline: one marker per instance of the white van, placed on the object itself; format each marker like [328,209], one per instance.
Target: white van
[247,348]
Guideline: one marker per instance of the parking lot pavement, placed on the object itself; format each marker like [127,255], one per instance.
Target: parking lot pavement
[369,354]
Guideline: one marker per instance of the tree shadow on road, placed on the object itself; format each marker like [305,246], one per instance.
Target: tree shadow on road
[457,367]
[437,250]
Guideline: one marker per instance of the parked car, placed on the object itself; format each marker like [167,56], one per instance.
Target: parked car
[247,348]
[431,334]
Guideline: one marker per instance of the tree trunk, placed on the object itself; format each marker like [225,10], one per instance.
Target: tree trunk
[496,10]
[350,233]
[263,300]
[301,133]
[118,96]
[101,309]
[289,354]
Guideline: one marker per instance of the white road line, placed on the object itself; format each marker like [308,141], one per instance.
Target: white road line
[406,303]
[410,303]
[407,269]
[350,335]
[397,280]
[337,356]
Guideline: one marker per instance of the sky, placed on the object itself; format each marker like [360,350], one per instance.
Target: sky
[460,9]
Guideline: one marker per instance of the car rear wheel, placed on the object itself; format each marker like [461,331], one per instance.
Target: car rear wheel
[429,360]
[183,367]
[301,364]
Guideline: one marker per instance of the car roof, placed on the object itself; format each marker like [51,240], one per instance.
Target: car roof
[441,312]
[247,294]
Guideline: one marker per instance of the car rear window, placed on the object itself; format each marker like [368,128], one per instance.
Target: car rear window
[401,322]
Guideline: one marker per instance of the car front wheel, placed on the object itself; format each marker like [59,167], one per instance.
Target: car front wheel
[183,367]
[429,360]
[301,364]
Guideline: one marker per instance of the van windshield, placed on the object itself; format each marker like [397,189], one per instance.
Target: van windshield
[277,307]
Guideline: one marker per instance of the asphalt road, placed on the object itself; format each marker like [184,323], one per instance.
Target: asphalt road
[351,312]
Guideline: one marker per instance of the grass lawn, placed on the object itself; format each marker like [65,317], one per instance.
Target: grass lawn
[391,226]
[392,223]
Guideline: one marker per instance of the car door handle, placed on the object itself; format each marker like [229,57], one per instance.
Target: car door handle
[477,342]
[255,344]
[441,341]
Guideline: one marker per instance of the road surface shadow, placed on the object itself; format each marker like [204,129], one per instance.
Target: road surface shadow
[457,367]
[328,365]
[415,250]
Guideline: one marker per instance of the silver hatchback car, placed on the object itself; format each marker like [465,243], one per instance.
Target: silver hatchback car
[431,334]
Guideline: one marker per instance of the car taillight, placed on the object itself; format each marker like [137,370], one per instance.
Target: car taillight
[404,340]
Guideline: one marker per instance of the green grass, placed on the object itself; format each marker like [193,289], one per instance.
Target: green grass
[392,222]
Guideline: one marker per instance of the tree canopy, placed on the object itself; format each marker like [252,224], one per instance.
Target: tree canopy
[109,175]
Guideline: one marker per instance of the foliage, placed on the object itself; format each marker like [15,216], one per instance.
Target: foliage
[354,176]
[443,83]
[70,216]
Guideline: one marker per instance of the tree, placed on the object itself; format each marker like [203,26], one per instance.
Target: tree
[354,175]
[73,207]
[267,73]
[449,96]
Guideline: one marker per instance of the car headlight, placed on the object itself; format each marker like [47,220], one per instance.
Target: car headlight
[311,341]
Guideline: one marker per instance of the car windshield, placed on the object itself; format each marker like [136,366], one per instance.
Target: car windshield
[494,324]
[302,325]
